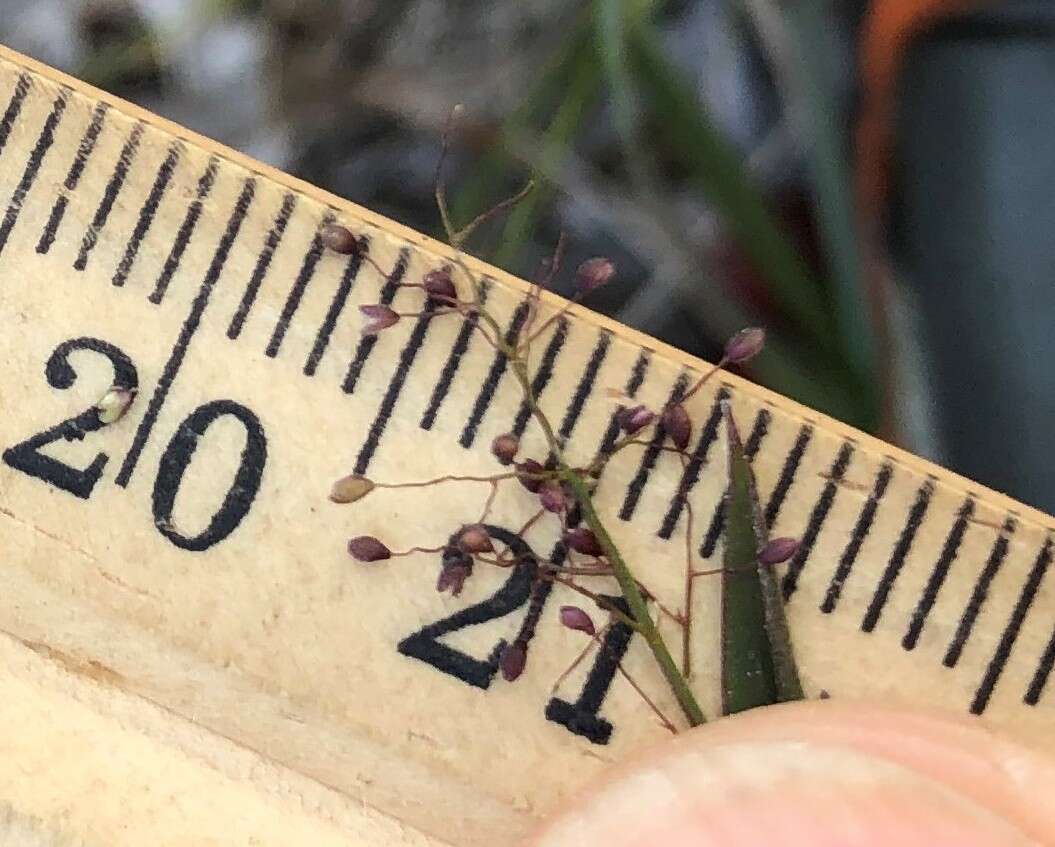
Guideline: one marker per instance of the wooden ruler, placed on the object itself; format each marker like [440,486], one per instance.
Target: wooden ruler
[180,618]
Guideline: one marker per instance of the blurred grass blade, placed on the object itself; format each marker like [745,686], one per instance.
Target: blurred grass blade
[475,192]
[832,186]
[807,78]
[583,88]
[572,80]
[604,46]
[610,26]
[612,21]
[758,668]
[720,174]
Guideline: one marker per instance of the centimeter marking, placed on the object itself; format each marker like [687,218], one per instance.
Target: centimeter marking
[168,171]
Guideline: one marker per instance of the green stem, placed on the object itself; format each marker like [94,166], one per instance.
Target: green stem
[521,371]
[627,583]
[636,601]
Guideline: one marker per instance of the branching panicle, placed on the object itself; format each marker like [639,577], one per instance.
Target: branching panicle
[559,489]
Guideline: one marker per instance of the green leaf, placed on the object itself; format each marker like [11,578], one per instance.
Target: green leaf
[758,667]
[813,91]
[748,676]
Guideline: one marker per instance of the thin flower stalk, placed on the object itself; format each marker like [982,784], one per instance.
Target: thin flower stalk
[686,631]
[636,602]
[559,489]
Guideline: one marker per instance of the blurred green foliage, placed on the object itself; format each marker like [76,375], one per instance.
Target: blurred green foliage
[821,336]
[612,63]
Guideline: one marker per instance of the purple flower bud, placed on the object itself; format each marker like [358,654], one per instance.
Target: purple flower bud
[439,286]
[514,657]
[552,498]
[582,540]
[745,345]
[474,539]
[505,447]
[339,239]
[366,548]
[378,317]
[677,425]
[526,475]
[635,418]
[453,577]
[593,273]
[350,488]
[778,550]
[575,618]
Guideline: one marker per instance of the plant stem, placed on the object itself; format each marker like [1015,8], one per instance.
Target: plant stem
[686,631]
[631,590]
[627,582]
[634,599]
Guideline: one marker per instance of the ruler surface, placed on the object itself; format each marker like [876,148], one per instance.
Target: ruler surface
[187,559]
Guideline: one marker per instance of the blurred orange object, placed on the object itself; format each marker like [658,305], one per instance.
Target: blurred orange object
[888,30]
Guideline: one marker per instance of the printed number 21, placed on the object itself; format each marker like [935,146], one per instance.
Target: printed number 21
[580,716]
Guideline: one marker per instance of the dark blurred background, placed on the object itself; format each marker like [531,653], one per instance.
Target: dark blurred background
[870,179]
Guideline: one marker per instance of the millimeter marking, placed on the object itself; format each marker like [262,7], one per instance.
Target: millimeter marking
[14,107]
[368,342]
[817,518]
[691,474]
[333,314]
[979,594]
[147,213]
[300,284]
[470,325]
[36,158]
[542,375]
[938,575]
[860,532]
[651,454]
[494,377]
[113,188]
[186,231]
[80,160]
[263,262]
[1011,631]
[897,558]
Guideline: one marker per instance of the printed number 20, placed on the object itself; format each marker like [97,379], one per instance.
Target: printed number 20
[28,458]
